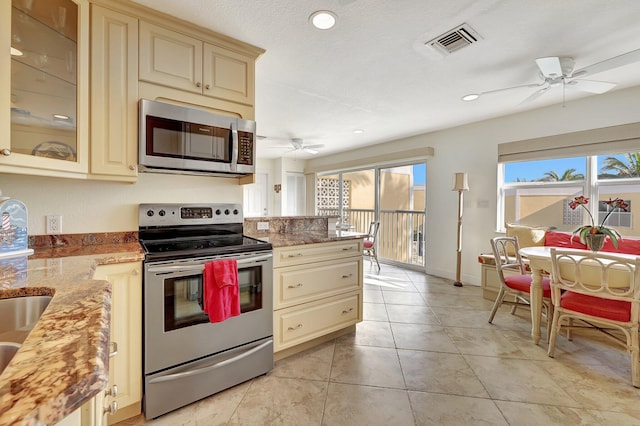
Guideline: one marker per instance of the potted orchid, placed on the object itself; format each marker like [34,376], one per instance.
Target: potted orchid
[591,235]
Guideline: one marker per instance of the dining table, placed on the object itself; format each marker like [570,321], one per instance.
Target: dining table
[539,259]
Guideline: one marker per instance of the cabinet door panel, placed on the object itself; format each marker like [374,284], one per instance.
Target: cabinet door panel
[170,58]
[114,93]
[296,255]
[299,324]
[125,368]
[299,284]
[228,75]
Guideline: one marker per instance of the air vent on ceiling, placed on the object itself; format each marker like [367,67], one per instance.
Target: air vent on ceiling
[455,39]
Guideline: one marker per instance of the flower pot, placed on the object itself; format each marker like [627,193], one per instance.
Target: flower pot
[595,242]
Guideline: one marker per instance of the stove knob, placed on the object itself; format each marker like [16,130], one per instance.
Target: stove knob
[218,212]
[161,213]
[226,211]
[150,213]
[235,211]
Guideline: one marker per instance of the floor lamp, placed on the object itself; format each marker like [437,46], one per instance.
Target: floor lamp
[460,184]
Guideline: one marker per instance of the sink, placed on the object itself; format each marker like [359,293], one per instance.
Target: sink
[7,351]
[18,316]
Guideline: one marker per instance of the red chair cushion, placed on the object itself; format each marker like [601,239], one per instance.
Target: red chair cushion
[616,310]
[368,244]
[523,283]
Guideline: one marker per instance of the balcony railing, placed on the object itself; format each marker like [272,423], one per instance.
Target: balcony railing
[401,236]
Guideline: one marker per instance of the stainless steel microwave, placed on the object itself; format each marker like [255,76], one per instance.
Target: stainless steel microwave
[178,139]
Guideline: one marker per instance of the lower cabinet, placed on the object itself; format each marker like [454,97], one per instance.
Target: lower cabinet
[92,413]
[125,364]
[317,292]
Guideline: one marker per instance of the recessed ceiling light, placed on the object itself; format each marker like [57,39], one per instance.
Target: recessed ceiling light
[16,52]
[61,117]
[358,131]
[323,19]
[470,97]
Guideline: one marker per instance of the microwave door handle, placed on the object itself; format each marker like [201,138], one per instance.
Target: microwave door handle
[234,147]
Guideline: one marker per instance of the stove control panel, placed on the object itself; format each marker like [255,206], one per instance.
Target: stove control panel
[189,214]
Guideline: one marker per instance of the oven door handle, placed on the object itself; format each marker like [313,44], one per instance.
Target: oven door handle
[200,267]
[212,367]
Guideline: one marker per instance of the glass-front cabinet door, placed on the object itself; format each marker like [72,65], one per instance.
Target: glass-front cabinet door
[47,105]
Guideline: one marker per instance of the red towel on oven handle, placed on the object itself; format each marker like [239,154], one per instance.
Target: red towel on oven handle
[221,290]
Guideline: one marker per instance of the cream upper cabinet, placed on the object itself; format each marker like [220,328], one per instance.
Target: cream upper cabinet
[125,367]
[172,59]
[114,95]
[44,122]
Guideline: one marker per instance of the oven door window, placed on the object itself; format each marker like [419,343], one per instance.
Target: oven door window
[183,297]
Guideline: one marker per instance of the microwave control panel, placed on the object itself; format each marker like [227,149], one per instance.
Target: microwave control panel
[245,148]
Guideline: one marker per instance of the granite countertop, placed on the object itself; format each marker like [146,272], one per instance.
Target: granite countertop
[64,361]
[305,237]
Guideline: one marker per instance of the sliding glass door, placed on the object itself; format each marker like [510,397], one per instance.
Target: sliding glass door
[395,196]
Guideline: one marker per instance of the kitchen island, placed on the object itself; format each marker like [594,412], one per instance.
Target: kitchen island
[63,363]
[317,286]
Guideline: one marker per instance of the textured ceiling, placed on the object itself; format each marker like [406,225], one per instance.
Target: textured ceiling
[372,71]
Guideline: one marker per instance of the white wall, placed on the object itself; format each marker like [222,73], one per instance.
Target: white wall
[478,142]
[92,206]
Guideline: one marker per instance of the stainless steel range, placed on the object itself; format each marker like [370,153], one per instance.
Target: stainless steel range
[186,357]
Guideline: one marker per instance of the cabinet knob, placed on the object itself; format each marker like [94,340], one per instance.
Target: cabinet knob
[6,152]
[112,392]
[112,408]
[132,167]
[114,351]
[208,86]
[135,272]
[295,328]
[198,84]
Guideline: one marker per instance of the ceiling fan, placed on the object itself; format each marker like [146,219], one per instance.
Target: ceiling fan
[297,144]
[557,71]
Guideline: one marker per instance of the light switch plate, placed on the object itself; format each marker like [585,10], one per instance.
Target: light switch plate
[263,226]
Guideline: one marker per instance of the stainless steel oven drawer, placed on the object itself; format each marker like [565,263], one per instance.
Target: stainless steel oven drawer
[176,387]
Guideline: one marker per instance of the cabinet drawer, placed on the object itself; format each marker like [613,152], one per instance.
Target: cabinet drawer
[306,322]
[304,283]
[296,255]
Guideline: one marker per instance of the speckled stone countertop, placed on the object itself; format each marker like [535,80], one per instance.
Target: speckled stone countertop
[304,237]
[64,361]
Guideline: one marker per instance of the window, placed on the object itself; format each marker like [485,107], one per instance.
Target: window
[538,192]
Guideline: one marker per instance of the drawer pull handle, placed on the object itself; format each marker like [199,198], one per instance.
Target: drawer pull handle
[346,311]
[111,409]
[347,276]
[295,255]
[112,392]
[295,286]
[295,328]
[347,248]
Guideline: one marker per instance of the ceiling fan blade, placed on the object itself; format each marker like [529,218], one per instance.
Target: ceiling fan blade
[535,95]
[609,64]
[550,66]
[316,145]
[310,151]
[592,86]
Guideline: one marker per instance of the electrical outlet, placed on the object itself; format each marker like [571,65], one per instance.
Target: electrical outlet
[264,226]
[54,224]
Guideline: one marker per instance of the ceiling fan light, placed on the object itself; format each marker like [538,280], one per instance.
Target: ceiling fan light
[358,131]
[470,97]
[323,19]
[16,52]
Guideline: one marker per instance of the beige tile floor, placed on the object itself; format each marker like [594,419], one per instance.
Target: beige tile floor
[425,355]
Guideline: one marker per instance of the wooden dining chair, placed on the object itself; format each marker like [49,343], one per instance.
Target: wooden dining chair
[514,280]
[602,291]
[369,244]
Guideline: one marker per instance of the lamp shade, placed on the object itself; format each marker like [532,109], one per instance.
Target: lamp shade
[460,182]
